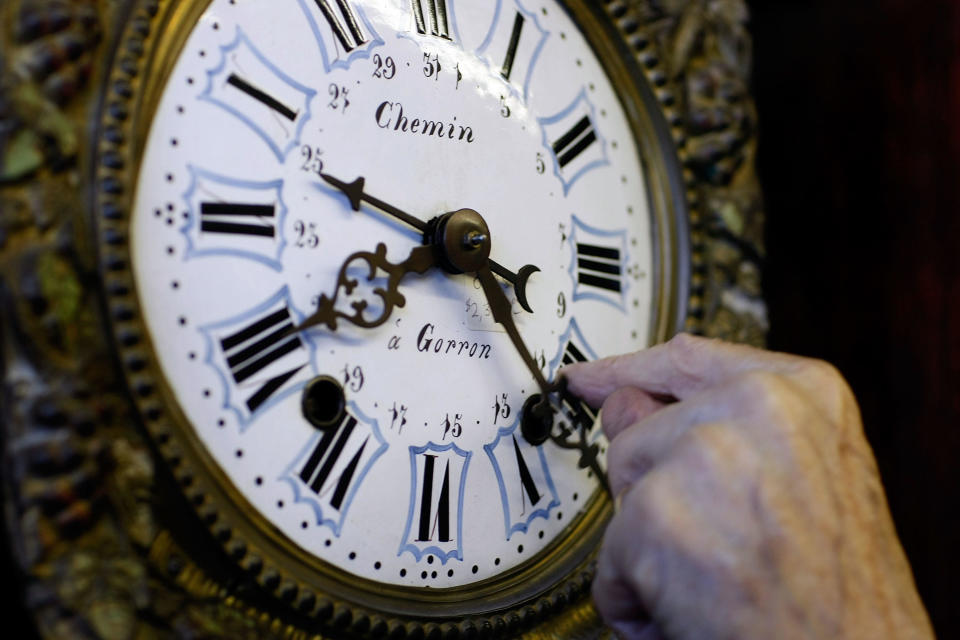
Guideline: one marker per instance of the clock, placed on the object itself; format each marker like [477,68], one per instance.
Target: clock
[344,249]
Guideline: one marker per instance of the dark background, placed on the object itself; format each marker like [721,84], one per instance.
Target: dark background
[859,122]
[859,105]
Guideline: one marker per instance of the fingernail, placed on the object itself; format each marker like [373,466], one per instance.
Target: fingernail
[618,501]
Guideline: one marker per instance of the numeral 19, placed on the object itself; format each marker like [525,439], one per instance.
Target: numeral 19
[353,378]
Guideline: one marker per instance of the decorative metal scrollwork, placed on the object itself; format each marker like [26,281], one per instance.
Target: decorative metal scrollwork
[419,261]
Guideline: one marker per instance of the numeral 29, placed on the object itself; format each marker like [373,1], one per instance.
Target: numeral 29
[384,68]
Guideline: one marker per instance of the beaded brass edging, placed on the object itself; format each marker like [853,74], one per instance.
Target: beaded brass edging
[627,16]
[697,57]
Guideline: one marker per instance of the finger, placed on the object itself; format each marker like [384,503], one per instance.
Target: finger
[677,541]
[616,600]
[679,368]
[625,407]
[639,447]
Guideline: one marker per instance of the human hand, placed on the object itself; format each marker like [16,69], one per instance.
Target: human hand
[748,500]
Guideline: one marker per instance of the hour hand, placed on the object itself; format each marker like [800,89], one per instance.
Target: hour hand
[420,260]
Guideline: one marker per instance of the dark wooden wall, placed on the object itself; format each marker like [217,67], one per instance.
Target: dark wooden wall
[859,106]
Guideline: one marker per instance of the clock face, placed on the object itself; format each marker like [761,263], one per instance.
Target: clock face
[425,480]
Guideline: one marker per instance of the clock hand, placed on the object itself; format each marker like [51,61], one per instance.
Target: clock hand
[355,194]
[500,308]
[537,418]
[420,260]
[518,280]
[582,421]
[536,422]
[460,242]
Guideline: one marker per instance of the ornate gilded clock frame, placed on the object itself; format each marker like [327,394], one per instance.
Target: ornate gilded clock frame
[88,506]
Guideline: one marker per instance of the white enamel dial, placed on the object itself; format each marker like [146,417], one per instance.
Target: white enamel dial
[497,106]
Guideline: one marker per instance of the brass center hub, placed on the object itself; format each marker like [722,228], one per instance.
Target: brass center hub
[463,239]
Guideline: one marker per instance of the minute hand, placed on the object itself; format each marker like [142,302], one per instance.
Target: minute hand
[500,308]
[537,415]
[355,194]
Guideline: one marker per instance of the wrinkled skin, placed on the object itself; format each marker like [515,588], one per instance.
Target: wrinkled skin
[748,500]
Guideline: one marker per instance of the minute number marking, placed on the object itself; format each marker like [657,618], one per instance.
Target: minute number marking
[385,68]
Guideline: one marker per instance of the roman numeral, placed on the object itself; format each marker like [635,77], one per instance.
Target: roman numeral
[598,259]
[572,353]
[434,21]
[257,346]
[341,30]
[572,407]
[577,146]
[334,447]
[526,479]
[599,266]
[258,357]
[507,67]
[328,472]
[228,216]
[572,143]
[237,218]
[435,514]
[262,96]
[347,31]
[504,48]
[526,489]
[439,523]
